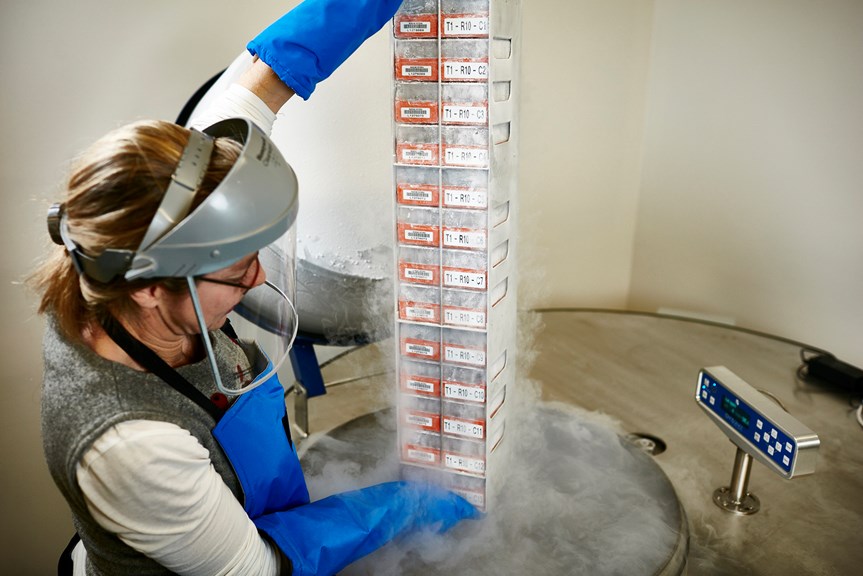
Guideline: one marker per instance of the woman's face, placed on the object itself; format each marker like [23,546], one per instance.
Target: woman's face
[218,293]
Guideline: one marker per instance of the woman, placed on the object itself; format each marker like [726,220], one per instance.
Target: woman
[164,431]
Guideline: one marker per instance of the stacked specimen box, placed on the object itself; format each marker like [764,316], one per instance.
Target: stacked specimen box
[454,127]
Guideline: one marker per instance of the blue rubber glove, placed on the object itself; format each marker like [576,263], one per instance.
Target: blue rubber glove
[307,44]
[323,537]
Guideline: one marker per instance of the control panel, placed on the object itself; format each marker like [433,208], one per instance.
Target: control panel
[756,424]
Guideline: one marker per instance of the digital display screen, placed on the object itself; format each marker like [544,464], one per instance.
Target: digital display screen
[733,410]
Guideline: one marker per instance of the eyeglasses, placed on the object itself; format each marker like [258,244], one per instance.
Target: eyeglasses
[251,273]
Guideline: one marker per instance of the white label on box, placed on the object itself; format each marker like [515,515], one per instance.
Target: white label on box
[419,313]
[462,392]
[421,455]
[464,355]
[464,317]
[465,26]
[458,462]
[471,239]
[417,155]
[467,156]
[462,279]
[464,114]
[475,498]
[419,349]
[464,428]
[412,194]
[419,274]
[465,198]
[419,420]
[414,27]
[454,70]
[415,112]
[416,71]
[419,386]
[419,235]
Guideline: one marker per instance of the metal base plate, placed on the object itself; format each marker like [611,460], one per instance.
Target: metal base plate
[749,504]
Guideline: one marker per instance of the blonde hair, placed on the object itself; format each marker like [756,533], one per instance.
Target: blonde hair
[113,191]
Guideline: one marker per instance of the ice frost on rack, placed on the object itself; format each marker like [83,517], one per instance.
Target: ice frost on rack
[455,131]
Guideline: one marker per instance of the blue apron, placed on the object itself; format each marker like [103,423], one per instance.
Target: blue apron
[318,538]
[255,436]
[323,537]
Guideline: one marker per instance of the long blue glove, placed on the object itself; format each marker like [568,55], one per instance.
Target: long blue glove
[323,537]
[308,43]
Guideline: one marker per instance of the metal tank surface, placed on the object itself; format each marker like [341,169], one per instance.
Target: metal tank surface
[642,370]
[579,497]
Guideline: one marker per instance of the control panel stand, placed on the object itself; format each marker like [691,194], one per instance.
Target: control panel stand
[759,428]
[736,497]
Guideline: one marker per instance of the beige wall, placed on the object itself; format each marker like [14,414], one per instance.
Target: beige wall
[584,73]
[71,72]
[644,123]
[751,198]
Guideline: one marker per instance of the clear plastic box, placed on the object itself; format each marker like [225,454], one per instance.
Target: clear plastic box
[463,455]
[463,308]
[421,448]
[465,146]
[416,60]
[416,103]
[419,265]
[464,230]
[420,342]
[464,104]
[463,347]
[416,186]
[463,384]
[419,226]
[464,61]
[464,189]
[416,19]
[422,378]
[464,18]
[420,413]
[419,304]
[465,421]
[464,270]
[418,145]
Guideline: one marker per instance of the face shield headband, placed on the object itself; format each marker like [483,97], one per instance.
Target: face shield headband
[251,210]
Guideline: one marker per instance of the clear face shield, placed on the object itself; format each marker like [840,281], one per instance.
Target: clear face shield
[251,211]
[265,321]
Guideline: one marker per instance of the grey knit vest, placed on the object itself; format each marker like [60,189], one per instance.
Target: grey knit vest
[84,394]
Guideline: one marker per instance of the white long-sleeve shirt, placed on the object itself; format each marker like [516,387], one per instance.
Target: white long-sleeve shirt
[180,512]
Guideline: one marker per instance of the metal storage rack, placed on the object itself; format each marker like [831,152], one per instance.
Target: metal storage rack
[455,181]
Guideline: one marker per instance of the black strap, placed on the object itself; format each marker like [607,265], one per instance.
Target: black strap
[153,363]
[189,107]
[65,565]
